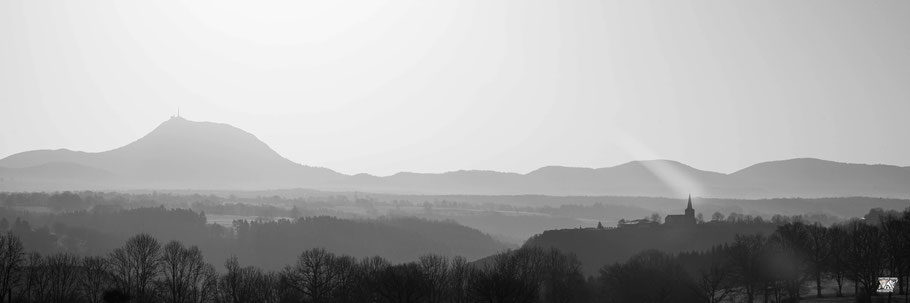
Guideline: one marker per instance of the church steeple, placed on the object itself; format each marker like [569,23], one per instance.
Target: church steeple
[689,210]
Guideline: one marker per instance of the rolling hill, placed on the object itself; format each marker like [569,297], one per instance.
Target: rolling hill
[183,154]
[177,154]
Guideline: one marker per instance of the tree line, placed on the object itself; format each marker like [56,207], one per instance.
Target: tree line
[795,261]
[145,270]
[791,263]
[784,266]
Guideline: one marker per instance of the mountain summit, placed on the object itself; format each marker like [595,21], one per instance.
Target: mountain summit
[181,153]
[184,154]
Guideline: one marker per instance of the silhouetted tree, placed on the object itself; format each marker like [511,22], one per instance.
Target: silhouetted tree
[62,274]
[370,269]
[512,276]
[746,253]
[905,257]
[11,258]
[315,275]
[35,284]
[265,286]
[865,254]
[435,269]
[650,276]
[347,271]
[95,278]
[136,265]
[786,263]
[897,249]
[247,284]
[562,278]
[231,285]
[714,275]
[818,249]
[460,273]
[838,257]
[185,275]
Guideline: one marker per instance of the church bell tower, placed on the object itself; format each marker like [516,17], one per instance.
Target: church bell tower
[690,212]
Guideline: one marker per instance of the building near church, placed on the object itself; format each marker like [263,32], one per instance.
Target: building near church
[641,223]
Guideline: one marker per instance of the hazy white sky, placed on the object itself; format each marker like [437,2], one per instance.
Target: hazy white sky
[432,86]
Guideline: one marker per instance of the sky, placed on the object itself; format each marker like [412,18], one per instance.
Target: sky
[381,87]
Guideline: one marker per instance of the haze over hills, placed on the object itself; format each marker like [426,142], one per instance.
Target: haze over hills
[177,154]
[183,154]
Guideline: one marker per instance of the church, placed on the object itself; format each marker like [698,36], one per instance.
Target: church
[686,219]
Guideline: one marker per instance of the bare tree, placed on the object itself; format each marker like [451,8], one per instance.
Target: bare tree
[263,286]
[186,276]
[136,265]
[511,276]
[62,277]
[649,276]
[818,248]
[787,262]
[369,276]
[838,244]
[34,287]
[95,278]
[894,229]
[230,285]
[459,278]
[905,257]
[245,284]
[12,256]
[746,254]
[347,271]
[562,278]
[714,277]
[315,275]
[206,287]
[866,254]
[435,269]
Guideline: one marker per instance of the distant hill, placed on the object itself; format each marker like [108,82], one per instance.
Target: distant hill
[808,177]
[177,154]
[183,154]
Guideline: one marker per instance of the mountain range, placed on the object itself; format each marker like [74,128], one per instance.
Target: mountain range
[184,154]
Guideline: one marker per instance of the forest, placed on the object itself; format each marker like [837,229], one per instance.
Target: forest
[797,261]
[792,263]
[147,253]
